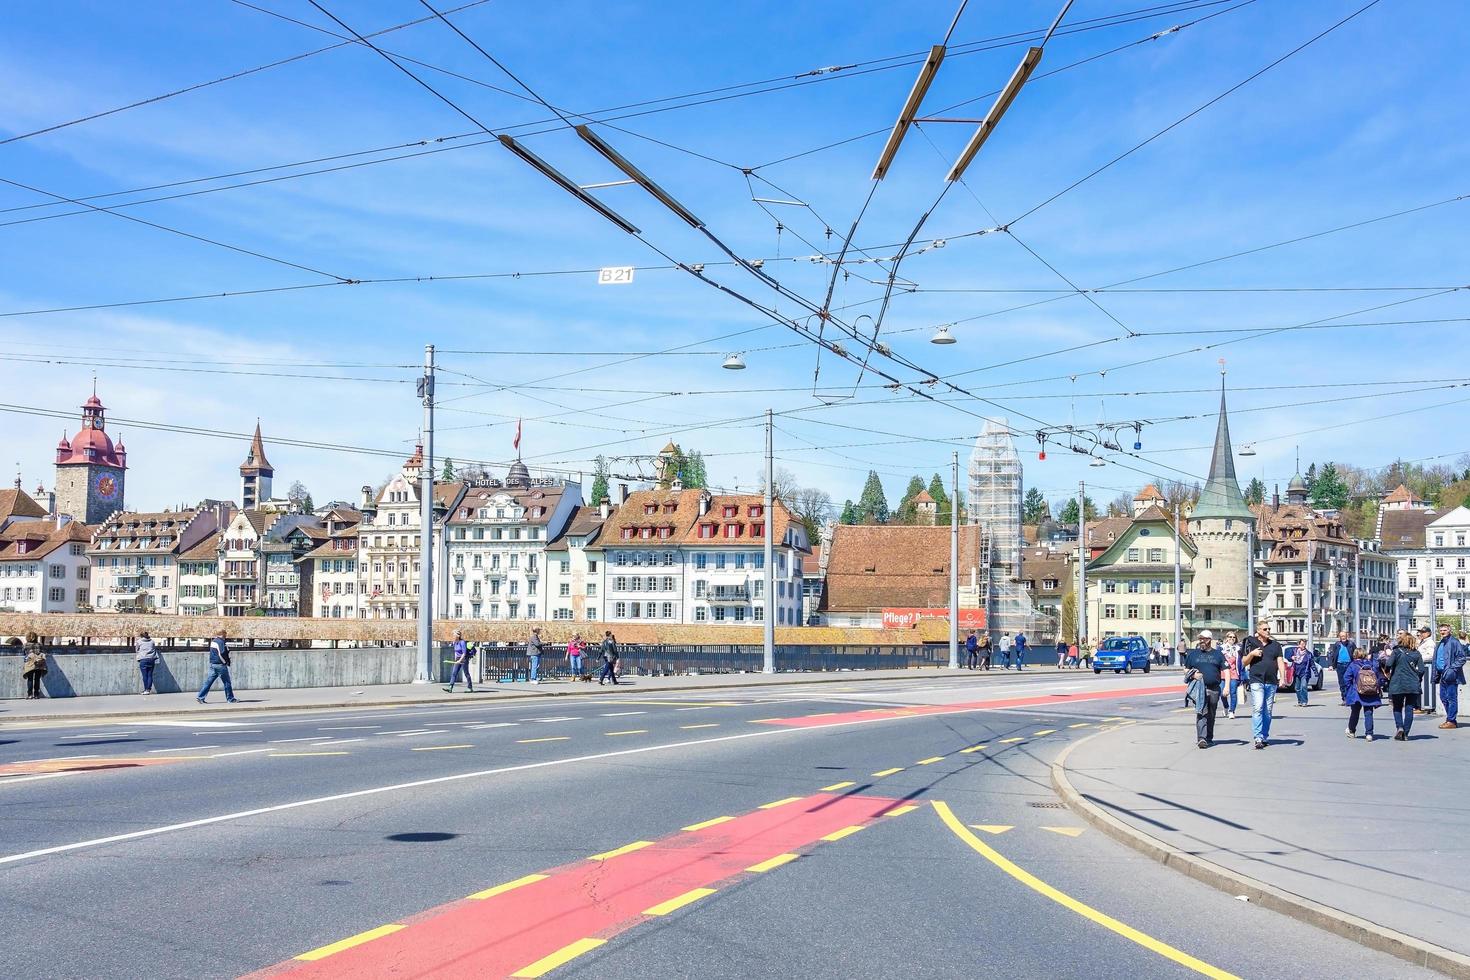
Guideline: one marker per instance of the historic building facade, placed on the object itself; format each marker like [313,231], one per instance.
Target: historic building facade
[1221,528]
[90,471]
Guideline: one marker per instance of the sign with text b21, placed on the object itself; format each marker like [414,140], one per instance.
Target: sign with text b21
[907,618]
[615,275]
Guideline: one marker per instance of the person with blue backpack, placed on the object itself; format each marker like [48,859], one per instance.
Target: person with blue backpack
[1365,684]
[1342,659]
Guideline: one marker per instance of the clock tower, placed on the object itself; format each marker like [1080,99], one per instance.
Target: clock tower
[90,470]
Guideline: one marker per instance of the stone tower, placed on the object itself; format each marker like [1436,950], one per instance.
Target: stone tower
[90,470]
[1220,526]
[255,474]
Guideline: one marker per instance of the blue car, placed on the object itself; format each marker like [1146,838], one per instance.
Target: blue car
[1121,654]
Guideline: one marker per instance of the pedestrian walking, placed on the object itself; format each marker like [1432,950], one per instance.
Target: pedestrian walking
[1020,651]
[1073,656]
[1426,689]
[1061,653]
[1006,647]
[1231,651]
[1084,652]
[987,649]
[463,654]
[609,651]
[1205,673]
[146,654]
[574,654]
[1405,669]
[1263,662]
[219,669]
[1449,674]
[1301,672]
[1342,658]
[533,655]
[1366,684]
[972,650]
[33,667]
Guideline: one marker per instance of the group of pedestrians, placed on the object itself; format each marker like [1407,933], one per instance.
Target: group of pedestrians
[1073,656]
[577,651]
[978,650]
[1366,677]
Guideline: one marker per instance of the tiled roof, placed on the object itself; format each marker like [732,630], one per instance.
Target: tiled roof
[675,510]
[1149,492]
[1102,533]
[125,528]
[922,497]
[743,502]
[883,566]
[1402,495]
[255,461]
[539,503]
[206,550]
[41,538]
[585,522]
[1050,566]
[339,546]
[18,503]
[1401,530]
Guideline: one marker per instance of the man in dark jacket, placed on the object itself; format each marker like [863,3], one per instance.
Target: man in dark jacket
[1449,674]
[219,668]
[609,652]
[1205,665]
[1342,657]
[1263,659]
[972,650]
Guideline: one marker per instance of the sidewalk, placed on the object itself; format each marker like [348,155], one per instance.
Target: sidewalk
[128,705]
[1370,841]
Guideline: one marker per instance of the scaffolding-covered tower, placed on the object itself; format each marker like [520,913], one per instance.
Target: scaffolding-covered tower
[994,502]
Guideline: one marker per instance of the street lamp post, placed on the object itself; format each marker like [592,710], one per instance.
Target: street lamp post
[426,520]
[768,638]
[954,567]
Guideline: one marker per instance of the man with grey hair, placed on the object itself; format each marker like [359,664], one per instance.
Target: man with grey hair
[1205,673]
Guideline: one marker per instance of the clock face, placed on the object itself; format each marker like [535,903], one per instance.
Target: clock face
[107,487]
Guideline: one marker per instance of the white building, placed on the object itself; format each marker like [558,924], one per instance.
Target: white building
[199,578]
[134,558]
[241,569]
[574,566]
[1404,532]
[332,568]
[724,555]
[44,566]
[1447,545]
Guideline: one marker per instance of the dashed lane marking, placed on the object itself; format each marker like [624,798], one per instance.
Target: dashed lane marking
[561,957]
[708,823]
[494,724]
[771,863]
[103,735]
[631,731]
[1045,731]
[836,786]
[338,741]
[426,731]
[221,755]
[899,811]
[775,803]
[1011,741]
[549,738]
[837,835]
[637,845]
[322,952]
[679,901]
[184,748]
[930,761]
[406,731]
[973,748]
[508,886]
[349,728]
[302,755]
[277,741]
[1080,724]
[888,772]
[708,724]
[622,714]
[440,748]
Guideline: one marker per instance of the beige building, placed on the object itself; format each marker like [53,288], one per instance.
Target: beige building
[44,566]
[1130,586]
[335,575]
[199,578]
[135,558]
[389,540]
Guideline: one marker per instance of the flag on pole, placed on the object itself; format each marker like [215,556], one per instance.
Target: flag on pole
[516,442]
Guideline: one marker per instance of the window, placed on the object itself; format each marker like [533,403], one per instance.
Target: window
[591,589]
[739,614]
[730,510]
[732,530]
[58,595]
[1155,612]
[620,609]
[1155,587]
[565,589]
[58,571]
[757,529]
[1110,611]
[719,614]
[1209,563]
[1110,587]
[701,560]
[1132,612]
[1132,554]
[1134,585]
[701,588]
[668,583]
[530,610]
[700,614]
[668,610]
[1156,554]
[1413,563]
[720,560]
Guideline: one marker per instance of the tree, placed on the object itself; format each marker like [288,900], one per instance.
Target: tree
[1182,495]
[447,474]
[675,469]
[307,504]
[786,486]
[1328,490]
[300,496]
[872,505]
[1311,477]
[941,497]
[1121,506]
[906,513]
[695,476]
[1067,628]
[1255,491]
[1033,507]
[813,508]
[849,513]
[1069,510]
[599,481]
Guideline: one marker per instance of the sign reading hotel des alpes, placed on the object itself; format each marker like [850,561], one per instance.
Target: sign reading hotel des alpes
[907,618]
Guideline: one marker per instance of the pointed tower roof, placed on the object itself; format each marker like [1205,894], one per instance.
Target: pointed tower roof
[256,460]
[1221,497]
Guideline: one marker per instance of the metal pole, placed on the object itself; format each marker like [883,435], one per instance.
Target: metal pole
[1311,598]
[1178,591]
[1357,599]
[1081,564]
[954,567]
[768,663]
[426,522]
[1431,692]
[1250,581]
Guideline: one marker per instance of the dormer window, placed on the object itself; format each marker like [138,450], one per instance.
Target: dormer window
[756,510]
[732,530]
[650,508]
[627,533]
[706,530]
[758,529]
[665,532]
[731,510]
[646,532]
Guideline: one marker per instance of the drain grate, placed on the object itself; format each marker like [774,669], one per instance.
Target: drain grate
[1046,806]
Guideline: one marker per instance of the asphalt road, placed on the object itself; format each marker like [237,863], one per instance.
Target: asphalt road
[822,830]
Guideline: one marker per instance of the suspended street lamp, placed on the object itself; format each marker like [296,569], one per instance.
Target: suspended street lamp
[942,335]
[734,362]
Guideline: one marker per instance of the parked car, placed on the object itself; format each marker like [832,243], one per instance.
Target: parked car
[1121,654]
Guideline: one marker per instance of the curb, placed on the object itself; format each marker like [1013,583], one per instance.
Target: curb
[503,695]
[1417,951]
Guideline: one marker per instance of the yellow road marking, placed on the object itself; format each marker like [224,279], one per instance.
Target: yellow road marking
[1080,724]
[844,832]
[837,786]
[973,748]
[757,721]
[992,828]
[774,862]
[1067,901]
[706,725]
[775,803]
[509,886]
[637,845]
[1067,831]
[1008,741]
[321,952]
[633,731]
[899,811]
[888,772]
[931,759]
[441,748]
[678,902]
[709,823]
[822,714]
[1116,718]
[1045,731]
[300,755]
[566,954]
[552,738]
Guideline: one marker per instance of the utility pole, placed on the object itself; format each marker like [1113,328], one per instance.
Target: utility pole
[1178,593]
[426,521]
[1081,564]
[954,567]
[768,664]
[1311,597]
[1250,581]
[1357,598]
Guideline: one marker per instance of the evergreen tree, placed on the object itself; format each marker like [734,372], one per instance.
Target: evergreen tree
[872,505]
[1255,491]
[599,481]
[1033,507]
[1311,477]
[906,514]
[307,506]
[695,476]
[849,513]
[1328,489]
[447,475]
[937,491]
[1069,510]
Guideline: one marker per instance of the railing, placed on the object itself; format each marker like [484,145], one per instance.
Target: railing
[510,663]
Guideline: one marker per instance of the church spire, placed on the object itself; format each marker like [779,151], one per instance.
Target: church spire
[1221,497]
[256,459]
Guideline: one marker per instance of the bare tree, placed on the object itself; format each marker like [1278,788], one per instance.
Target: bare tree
[1121,506]
[813,507]
[785,485]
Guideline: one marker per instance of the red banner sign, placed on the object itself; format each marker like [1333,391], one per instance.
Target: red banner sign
[907,618]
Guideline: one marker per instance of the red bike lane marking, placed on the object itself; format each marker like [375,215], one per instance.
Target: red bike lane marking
[1049,700]
[500,935]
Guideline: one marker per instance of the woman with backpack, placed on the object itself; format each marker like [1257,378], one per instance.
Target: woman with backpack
[1301,668]
[1405,669]
[1365,685]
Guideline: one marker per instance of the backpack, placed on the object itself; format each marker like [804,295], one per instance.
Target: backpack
[1368,686]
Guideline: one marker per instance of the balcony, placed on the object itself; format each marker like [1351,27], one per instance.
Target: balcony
[457,571]
[729,593]
[125,589]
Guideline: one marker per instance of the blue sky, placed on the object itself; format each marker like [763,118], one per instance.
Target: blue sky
[1367,121]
